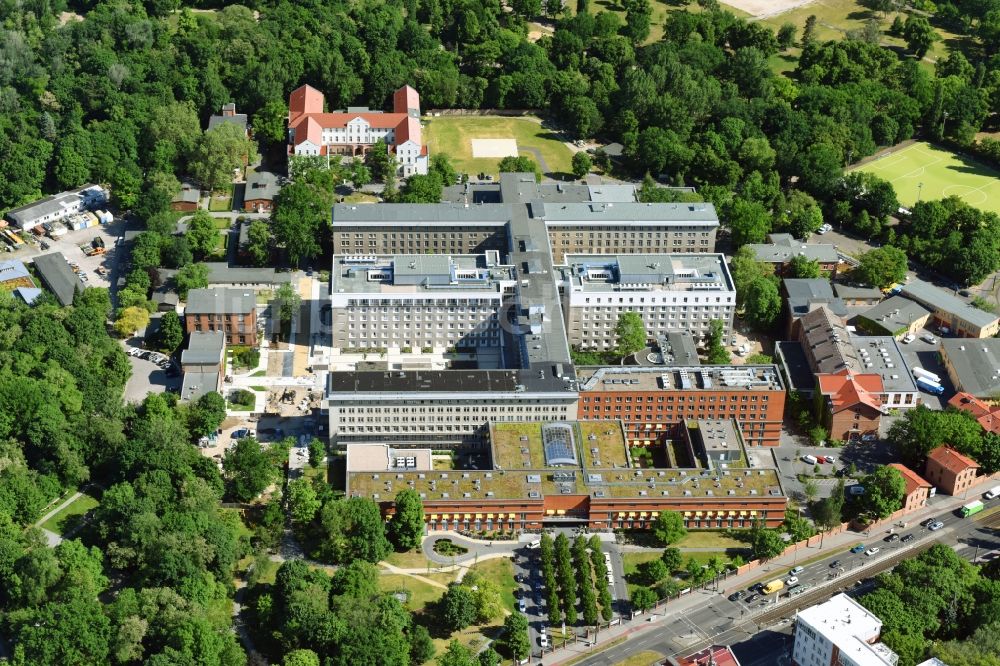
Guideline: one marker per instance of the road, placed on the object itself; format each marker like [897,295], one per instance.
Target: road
[721,621]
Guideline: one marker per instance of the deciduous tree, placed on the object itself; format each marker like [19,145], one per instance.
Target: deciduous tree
[630,333]
[669,527]
[407,524]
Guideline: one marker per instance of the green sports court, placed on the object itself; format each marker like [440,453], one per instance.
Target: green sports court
[921,171]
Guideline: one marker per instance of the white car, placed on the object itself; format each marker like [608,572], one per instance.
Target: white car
[796,571]
[908,338]
[792,581]
[825,228]
[872,551]
[929,339]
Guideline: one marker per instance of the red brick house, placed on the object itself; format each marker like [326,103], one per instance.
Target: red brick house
[949,470]
[850,404]
[232,311]
[987,414]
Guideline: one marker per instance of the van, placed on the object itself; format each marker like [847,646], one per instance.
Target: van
[774,586]
[812,460]
[537,543]
[928,338]
[992,493]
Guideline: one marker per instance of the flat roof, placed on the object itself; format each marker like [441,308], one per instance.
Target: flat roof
[941,300]
[527,477]
[848,625]
[975,363]
[220,301]
[410,381]
[383,458]
[14,270]
[895,314]
[204,347]
[57,275]
[629,213]
[679,347]
[805,293]
[219,272]
[54,203]
[197,384]
[651,272]
[693,378]
[881,355]
[851,291]
[450,214]
[718,434]
[796,365]
[412,273]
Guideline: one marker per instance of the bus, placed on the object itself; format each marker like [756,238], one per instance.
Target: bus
[773,586]
[972,508]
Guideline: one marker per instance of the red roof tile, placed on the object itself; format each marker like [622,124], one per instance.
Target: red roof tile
[988,415]
[722,655]
[913,480]
[950,459]
[846,390]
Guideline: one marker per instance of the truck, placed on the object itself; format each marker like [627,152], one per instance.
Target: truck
[992,493]
[12,238]
[96,246]
[920,372]
[972,508]
[929,386]
[773,586]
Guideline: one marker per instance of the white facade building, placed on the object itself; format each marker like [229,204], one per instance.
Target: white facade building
[418,301]
[58,206]
[671,292]
[839,632]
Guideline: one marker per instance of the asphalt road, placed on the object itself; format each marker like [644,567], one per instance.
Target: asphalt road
[721,621]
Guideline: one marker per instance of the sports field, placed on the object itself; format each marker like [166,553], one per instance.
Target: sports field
[458,136]
[924,171]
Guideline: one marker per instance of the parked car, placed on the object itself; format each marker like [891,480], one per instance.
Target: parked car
[796,571]
[752,598]
[870,437]
[736,596]
[834,564]
[242,433]
[908,338]
[928,338]
[792,581]
[907,538]
[872,551]
[891,538]
[860,548]
[925,523]
[522,605]
[935,526]
[830,459]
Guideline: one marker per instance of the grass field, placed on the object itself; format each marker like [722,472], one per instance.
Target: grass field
[501,572]
[420,592]
[928,172]
[70,517]
[452,135]
[411,559]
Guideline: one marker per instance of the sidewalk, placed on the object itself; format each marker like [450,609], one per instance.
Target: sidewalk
[831,545]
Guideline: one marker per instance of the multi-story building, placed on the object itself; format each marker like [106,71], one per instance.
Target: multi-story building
[782,248]
[950,471]
[419,300]
[839,632]
[597,219]
[654,403]
[58,206]
[553,473]
[973,366]
[671,292]
[917,488]
[203,364]
[232,311]
[353,132]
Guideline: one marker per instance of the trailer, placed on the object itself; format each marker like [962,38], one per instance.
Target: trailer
[929,386]
[972,508]
[921,373]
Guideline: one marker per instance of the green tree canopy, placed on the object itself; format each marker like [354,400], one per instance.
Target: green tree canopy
[630,333]
[669,527]
[884,491]
[882,266]
[407,524]
[247,469]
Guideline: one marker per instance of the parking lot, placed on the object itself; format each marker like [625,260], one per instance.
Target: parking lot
[923,354]
[69,246]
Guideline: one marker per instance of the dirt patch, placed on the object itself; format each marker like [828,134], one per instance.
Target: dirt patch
[66,17]
[761,9]
[494,148]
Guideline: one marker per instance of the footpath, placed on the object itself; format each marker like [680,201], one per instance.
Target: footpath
[673,610]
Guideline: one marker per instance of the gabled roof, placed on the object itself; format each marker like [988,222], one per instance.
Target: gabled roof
[986,414]
[58,276]
[940,300]
[912,479]
[304,99]
[261,185]
[13,270]
[220,301]
[845,390]
[951,460]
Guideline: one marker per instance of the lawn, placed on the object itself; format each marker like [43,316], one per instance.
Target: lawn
[222,223]
[660,10]
[421,593]
[924,171]
[471,637]
[644,658]
[452,135]
[501,572]
[360,197]
[708,539]
[411,559]
[221,201]
[71,516]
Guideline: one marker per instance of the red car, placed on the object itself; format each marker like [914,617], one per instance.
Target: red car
[821,459]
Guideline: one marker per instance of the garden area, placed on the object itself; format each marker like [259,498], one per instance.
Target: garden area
[72,516]
[241,400]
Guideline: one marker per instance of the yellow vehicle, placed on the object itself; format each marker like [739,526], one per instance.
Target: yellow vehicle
[773,586]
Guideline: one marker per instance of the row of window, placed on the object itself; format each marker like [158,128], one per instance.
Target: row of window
[660,399]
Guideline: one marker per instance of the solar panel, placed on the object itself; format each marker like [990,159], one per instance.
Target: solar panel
[557,439]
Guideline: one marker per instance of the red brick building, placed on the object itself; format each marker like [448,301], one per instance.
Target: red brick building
[949,470]
[232,311]
[917,488]
[654,403]
[850,404]
[986,414]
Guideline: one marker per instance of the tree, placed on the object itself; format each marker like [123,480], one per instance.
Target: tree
[923,429]
[301,658]
[882,266]
[717,353]
[643,598]
[582,164]
[442,166]
[221,151]
[456,654]
[809,31]
[810,491]
[786,36]
[801,214]
[378,162]
[269,122]
[317,452]
[515,636]
[407,524]
[653,572]
[192,276]
[171,333]
[301,211]
[763,304]
[289,301]
[527,9]
[669,527]
[303,502]
[511,164]
[352,529]
[206,414]
[630,333]
[638,20]
[672,558]
[421,645]
[884,490]
[130,320]
[802,266]
[201,234]
[247,469]
[746,270]
[919,35]
[259,242]
[422,189]
[749,222]
[458,608]
[765,543]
